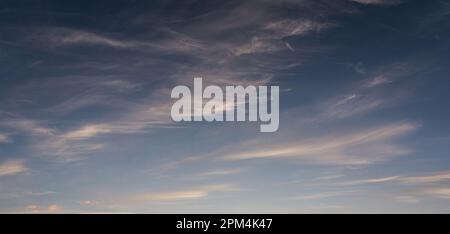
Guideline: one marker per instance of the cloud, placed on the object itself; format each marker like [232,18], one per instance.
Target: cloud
[69,145]
[44,193]
[287,28]
[88,202]
[171,42]
[371,94]
[431,178]
[349,105]
[4,138]
[66,151]
[360,148]
[52,208]
[371,181]
[220,172]
[13,167]
[89,91]
[86,132]
[65,36]
[443,193]
[269,38]
[407,199]
[187,194]
[25,125]
[379,2]
[320,196]
[378,80]
[32,207]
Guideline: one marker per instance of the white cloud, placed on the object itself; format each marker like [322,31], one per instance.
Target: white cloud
[360,148]
[407,199]
[86,132]
[378,80]
[349,106]
[379,2]
[4,138]
[442,192]
[13,167]
[52,208]
[187,194]
[66,36]
[220,172]
[286,28]
[44,193]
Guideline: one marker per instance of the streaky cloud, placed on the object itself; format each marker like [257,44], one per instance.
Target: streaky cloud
[360,148]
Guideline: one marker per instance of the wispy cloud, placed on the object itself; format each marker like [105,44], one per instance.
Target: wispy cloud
[13,167]
[378,80]
[4,138]
[187,194]
[319,196]
[379,2]
[33,208]
[26,125]
[371,181]
[349,106]
[430,178]
[172,42]
[66,36]
[270,37]
[361,148]
[407,199]
[43,193]
[219,172]
[73,144]
[373,93]
[440,192]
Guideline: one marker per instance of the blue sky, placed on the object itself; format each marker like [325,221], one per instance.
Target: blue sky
[85,104]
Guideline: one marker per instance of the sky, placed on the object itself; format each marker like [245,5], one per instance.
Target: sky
[85,103]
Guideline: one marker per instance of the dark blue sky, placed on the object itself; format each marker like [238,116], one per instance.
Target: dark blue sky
[85,106]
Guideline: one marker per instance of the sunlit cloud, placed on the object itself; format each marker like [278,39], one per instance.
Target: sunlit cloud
[379,2]
[436,192]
